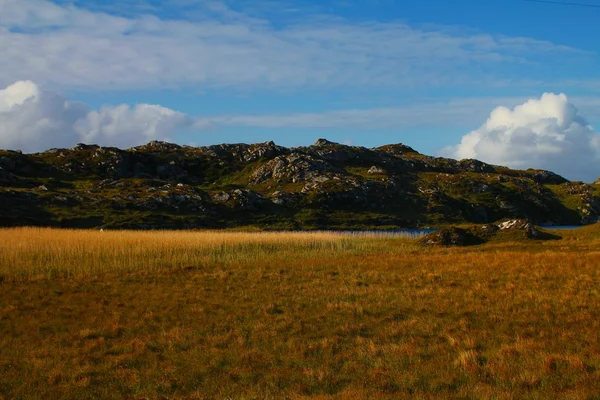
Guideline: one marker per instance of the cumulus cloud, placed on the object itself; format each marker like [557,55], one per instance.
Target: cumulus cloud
[32,119]
[124,125]
[218,47]
[545,133]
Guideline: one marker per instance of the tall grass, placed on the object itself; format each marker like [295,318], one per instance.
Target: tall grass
[223,315]
[42,253]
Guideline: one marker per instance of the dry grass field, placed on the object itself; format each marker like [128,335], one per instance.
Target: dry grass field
[226,315]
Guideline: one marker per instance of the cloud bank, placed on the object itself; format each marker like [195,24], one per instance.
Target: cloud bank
[545,133]
[32,119]
[218,47]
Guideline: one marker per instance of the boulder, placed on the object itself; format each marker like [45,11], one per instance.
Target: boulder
[221,197]
[472,165]
[521,228]
[398,149]
[323,142]
[452,236]
[266,150]
[375,170]
[82,146]
[547,177]
[294,167]
[282,198]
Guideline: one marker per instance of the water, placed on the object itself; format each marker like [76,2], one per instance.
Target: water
[418,233]
[562,227]
[413,233]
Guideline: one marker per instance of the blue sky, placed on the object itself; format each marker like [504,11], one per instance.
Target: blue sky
[425,73]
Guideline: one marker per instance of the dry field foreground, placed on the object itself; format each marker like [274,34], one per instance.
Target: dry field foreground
[217,315]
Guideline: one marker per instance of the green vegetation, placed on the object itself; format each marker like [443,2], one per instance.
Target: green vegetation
[327,185]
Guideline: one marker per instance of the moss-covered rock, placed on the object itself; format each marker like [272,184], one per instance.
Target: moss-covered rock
[501,231]
[452,236]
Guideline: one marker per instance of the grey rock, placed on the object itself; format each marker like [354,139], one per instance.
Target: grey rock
[476,166]
[295,167]
[82,146]
[548,178]
[375,170]
[221,197]
[323,142]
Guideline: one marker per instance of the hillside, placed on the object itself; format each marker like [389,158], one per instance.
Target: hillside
[326,185]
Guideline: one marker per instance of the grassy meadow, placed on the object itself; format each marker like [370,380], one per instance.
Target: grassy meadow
[234,315]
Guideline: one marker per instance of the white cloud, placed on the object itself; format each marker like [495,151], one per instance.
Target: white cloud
[32,119]
[17,94]
[546,133]
[123,125]
[71,46]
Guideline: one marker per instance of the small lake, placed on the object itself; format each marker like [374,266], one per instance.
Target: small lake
[561,227]
[415,233]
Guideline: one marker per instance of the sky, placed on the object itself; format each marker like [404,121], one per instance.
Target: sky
[509,82]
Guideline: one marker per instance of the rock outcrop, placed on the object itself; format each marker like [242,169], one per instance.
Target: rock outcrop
[452,236]
[504,230]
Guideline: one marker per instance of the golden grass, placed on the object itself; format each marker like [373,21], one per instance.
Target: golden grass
[224,315]
[44,253]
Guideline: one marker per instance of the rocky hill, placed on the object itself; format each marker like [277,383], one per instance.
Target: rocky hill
[323,186]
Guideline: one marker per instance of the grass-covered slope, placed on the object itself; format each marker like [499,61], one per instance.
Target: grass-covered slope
[326,185]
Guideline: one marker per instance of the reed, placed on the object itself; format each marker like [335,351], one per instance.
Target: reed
[44,253]
[321,315]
